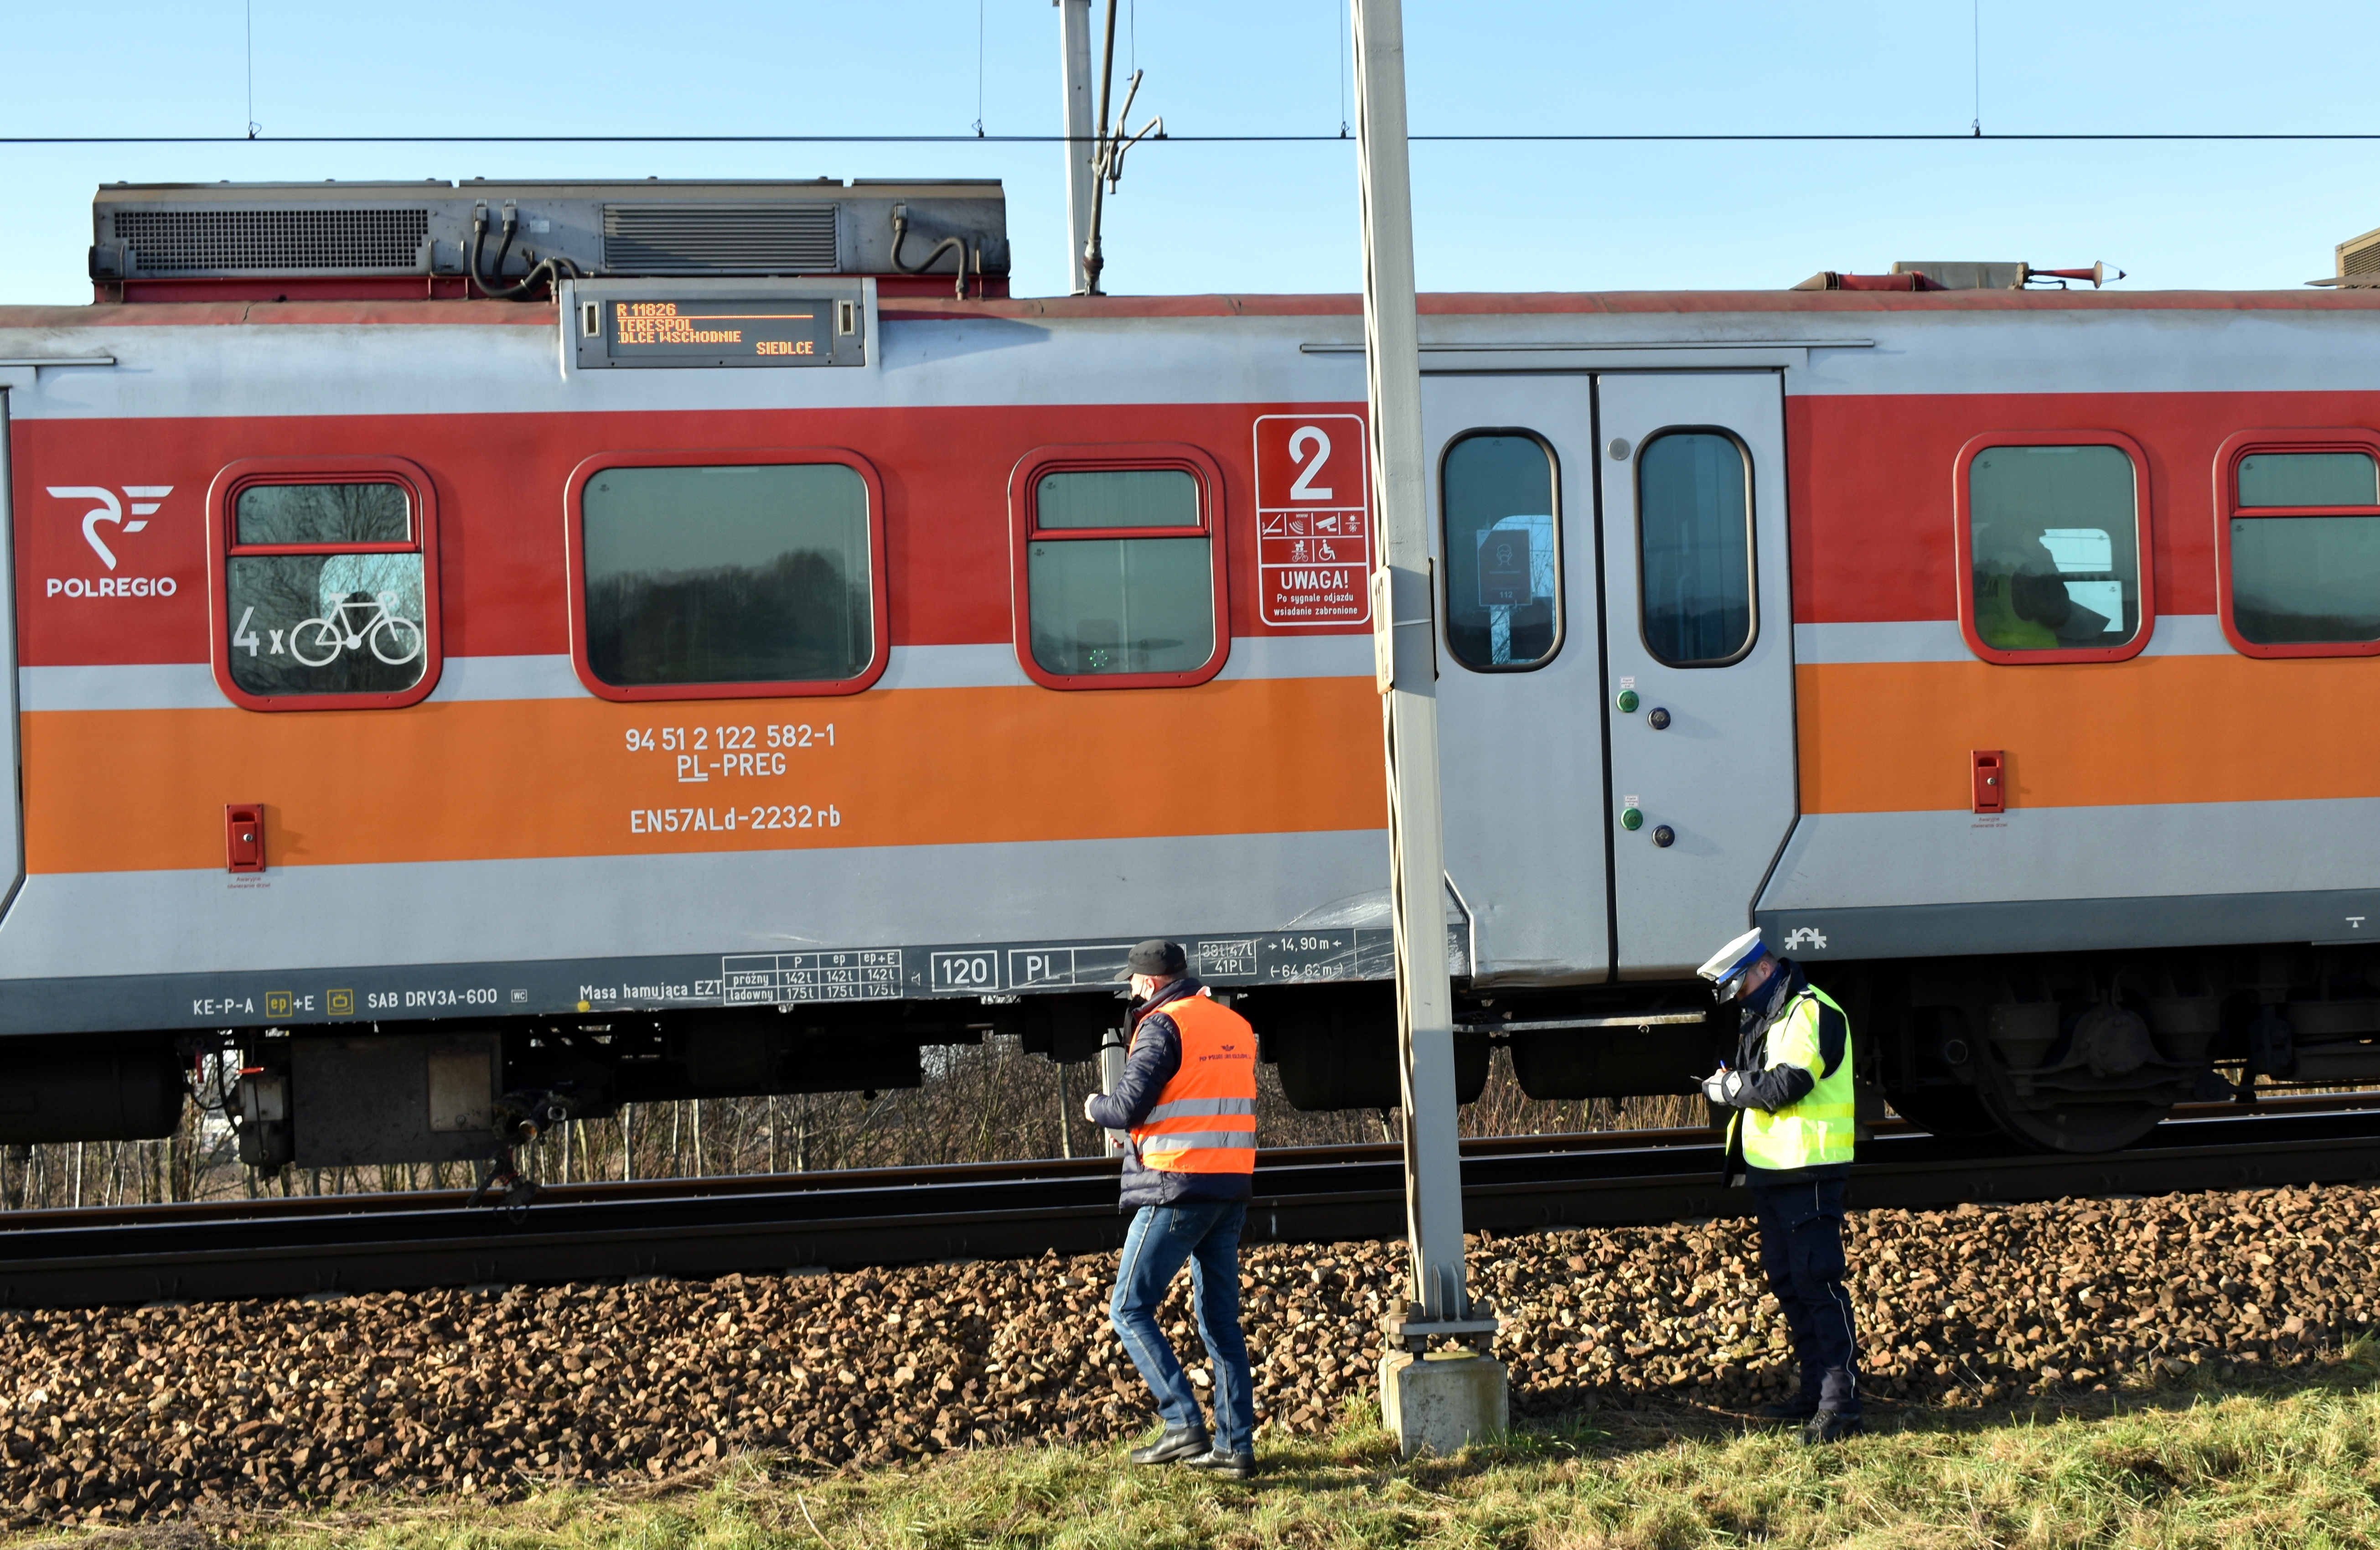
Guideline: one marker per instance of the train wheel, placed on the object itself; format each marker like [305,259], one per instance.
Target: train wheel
[2094,1126]
[1954,1113]
[2086,1081]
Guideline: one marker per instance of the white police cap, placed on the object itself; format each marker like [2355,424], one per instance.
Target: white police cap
[1735,958]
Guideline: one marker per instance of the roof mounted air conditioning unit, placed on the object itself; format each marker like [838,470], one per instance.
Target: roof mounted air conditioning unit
[2359,264]
[167,241]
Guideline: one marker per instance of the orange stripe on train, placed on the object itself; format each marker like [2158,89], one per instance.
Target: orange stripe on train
[1900,736]
[137,790]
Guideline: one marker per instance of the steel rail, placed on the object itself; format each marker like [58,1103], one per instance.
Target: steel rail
[684,1186]
[1317,1195]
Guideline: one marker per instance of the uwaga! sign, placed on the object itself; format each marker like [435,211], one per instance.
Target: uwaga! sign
[1313,529]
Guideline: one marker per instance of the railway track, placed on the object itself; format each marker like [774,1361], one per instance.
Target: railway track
[310,1245]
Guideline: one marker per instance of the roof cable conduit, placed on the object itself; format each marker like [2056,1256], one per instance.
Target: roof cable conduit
[901,234]
[550,271]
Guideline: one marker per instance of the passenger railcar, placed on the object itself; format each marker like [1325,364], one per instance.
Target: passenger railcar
[731,665]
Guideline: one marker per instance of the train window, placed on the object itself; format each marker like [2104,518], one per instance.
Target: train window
[2052,526]
[329,594]
[711,576]
[2308,478]
[1503,560]
[1117,498]
[1693,547]
[2302,544]
[1119,577]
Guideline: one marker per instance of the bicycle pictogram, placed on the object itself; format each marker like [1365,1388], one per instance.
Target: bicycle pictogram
[361,620]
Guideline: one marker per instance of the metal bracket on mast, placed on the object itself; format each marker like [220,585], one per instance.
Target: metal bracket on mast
[1111,150]
[1106,164]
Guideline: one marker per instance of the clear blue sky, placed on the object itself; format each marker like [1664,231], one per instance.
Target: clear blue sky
[1254,218]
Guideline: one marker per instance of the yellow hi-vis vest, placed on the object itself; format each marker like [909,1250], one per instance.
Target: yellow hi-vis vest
[1819,1128]
[1204,1119]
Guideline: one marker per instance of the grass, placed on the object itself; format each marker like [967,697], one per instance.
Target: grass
[2261,1462]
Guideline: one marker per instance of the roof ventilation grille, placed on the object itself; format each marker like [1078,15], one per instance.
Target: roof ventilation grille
[2359,265]
[272,241]
[720,238]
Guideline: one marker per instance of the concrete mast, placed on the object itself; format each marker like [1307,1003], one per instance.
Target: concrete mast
[1082,188]
[1457,1396]
[1074,71]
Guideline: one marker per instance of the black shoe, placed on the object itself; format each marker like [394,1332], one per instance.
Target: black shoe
[1230,1466]
[1801,1407]
[1173,1447]
[1828,1426]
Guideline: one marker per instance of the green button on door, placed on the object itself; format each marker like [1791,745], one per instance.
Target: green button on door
[1630,819]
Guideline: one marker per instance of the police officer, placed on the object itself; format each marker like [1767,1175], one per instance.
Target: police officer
[2020,602]
[1789,1085]
[1188,1098]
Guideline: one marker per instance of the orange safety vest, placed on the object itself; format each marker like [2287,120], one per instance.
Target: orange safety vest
[1205,1120]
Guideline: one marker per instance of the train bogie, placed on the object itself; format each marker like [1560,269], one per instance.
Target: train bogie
[81,1087]
[2087,1052]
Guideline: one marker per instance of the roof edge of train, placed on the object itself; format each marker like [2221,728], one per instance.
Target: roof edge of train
[1617,303]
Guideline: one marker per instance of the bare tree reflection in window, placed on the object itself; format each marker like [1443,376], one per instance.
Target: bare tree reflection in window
[741,573]
[325,623]
[798,618]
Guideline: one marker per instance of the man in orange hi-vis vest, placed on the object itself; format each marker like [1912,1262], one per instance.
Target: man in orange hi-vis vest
[1188,1098]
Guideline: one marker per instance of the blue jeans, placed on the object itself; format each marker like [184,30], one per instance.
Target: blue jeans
[1207,1233]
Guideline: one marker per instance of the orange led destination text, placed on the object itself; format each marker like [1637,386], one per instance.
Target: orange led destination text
[659,322]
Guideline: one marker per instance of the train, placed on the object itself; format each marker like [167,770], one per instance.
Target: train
[608,642]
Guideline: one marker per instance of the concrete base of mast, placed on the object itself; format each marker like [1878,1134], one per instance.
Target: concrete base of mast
[1440,1401]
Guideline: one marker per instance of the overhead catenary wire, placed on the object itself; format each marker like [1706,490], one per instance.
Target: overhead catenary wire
[1648,137]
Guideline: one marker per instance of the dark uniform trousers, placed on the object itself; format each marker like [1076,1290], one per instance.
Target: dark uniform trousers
[1802,1251]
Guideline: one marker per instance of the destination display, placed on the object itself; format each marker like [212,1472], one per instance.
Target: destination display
[776,331]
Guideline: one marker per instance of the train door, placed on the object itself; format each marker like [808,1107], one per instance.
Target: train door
[1512,502]
[1700,656]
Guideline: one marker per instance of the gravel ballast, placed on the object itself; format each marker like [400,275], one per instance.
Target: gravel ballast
[210,1410]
